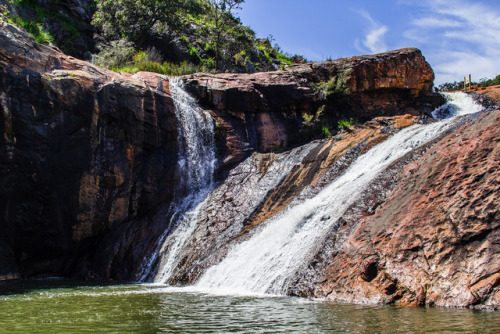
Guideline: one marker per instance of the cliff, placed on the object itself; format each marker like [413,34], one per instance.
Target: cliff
[84,151]
[89,174]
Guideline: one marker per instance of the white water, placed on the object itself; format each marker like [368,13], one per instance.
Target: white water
[196,161]
[269,259]
[458,104]
[195,169]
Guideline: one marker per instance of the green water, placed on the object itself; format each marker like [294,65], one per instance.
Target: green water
[63,307]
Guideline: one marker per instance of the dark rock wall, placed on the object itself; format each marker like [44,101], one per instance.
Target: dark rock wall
[83,152]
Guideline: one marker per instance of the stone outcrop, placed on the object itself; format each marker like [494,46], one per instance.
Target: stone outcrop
[89,156]
[270,105]
[433,241]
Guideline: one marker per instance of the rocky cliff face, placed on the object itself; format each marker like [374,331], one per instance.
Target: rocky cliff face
[271,105]
[89,162]
[435,240]
[84,151]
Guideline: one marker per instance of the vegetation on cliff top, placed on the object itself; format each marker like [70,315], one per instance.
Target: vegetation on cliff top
[167,36]
[202,35]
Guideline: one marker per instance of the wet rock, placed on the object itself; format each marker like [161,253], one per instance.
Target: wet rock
[265,184]
[437,232]
[369,270]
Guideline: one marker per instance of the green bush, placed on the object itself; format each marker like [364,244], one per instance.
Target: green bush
[118,54]
[314,125]
[345,124]
[489,82]
[163,68]
[122,56]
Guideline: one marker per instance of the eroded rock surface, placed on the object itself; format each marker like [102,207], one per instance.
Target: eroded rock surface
[270,105]
[435,240]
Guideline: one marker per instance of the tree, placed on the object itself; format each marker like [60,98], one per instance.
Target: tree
[222,17]
[133,19]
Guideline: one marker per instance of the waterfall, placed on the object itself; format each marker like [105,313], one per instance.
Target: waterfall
[196,164]
[196,160]
[267,261]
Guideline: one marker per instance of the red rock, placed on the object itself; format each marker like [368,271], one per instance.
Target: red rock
[438,234]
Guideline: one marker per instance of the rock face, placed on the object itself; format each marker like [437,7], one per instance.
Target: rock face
[270,105]
[89,157]
[435,241]
[84,151]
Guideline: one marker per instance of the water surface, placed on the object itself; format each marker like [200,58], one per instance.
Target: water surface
[67,307]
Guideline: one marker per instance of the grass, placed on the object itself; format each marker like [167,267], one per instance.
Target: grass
[273,52]
[165,68]
[35,25]
[34,29]
[147,61]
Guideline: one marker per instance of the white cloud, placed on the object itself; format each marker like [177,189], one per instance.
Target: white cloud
[436,22]
[374,41]
[463,37]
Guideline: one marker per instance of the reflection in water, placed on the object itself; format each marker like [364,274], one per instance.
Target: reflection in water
[159,309]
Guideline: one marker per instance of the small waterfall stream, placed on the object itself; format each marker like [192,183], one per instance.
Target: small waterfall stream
[269,259]
[195,169]
[196,163]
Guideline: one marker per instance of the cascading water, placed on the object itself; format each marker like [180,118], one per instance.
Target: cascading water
[195,169]
[196,161]
[267,261]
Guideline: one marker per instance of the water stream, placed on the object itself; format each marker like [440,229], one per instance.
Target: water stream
[266,262]
[196,164]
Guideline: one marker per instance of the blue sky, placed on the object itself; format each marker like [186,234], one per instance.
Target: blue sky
[457,37]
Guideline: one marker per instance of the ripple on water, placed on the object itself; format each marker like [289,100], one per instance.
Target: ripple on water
[72,308]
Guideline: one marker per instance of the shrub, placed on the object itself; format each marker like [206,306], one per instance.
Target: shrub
[118,54]
[345,124]
[314,125]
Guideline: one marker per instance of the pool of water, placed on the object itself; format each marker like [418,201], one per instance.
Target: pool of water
[68,307]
